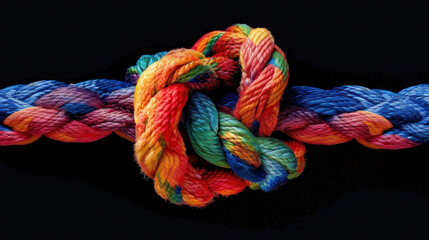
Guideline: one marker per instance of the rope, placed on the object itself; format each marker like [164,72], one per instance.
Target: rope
[82,112]
[192,96]
[376,118]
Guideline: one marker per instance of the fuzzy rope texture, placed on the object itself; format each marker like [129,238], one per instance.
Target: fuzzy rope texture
[197,142]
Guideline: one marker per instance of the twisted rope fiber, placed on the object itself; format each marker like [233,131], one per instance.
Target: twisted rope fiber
[231,137]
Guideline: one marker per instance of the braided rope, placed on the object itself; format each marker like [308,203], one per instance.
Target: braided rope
[307,114]
[230,131]
[299,117]
[82,112]
[375,118]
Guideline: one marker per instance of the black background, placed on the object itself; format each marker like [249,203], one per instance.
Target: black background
[71,190]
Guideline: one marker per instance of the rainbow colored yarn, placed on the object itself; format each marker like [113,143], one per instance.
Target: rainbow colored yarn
[199,132]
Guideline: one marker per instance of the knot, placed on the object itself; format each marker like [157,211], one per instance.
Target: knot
[239,158]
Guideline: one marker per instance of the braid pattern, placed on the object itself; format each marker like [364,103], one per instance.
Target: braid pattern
[375,118]
[81,112]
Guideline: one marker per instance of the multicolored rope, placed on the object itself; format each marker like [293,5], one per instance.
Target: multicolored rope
[375,118]
[195,96]
[82,112]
